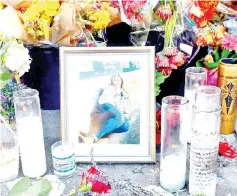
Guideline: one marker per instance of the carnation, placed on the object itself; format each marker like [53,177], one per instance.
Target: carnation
[17,58]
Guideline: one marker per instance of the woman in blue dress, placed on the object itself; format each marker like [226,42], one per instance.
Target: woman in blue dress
[111,113]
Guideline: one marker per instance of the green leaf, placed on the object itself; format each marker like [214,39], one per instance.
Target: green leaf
[41,187]
[20,187]
[172,5]
[234,56]
[200,62]
[225,53]
[85,187]
[212,65]
[5,76]
[216,55]
[159,79]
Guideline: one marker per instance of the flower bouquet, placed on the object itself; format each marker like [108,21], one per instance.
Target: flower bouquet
[14,62]
[56,22]
[216,27]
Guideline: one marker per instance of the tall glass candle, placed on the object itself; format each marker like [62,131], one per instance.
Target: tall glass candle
[205,141]
[173,142]
[194,77]
[30,132]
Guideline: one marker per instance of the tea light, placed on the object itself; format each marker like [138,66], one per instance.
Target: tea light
[63,159]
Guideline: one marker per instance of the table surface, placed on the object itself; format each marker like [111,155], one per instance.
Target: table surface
[129,179]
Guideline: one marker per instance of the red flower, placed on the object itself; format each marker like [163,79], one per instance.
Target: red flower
[165,70]
[93,179]
[202,12]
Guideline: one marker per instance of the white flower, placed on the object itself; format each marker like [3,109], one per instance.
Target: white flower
[17,58]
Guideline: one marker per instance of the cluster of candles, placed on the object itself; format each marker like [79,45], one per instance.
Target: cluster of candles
[29,142]
[194,119]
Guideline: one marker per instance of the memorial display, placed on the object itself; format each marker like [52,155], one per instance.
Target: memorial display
[126,81]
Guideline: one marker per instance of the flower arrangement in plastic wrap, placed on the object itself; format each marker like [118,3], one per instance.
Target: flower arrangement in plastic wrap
[56,22]
[14,62]
[216,27]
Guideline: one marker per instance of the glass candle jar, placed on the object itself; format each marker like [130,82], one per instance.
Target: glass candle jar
[194,77]
[227,81]
[9,154]
[205,141]
[30,132]
[63,159]
[173,142]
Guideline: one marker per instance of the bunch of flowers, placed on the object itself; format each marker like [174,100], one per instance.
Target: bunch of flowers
[170,58]
[14,62]
[202,12]
[38,17]
[56,22]
[217,23]
[211,35]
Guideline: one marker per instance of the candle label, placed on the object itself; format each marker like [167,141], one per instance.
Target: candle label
[64,166]
[204,154]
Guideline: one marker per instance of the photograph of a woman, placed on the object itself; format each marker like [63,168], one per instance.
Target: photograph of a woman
[111,113]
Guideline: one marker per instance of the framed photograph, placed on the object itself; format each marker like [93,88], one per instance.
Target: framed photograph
[108,103]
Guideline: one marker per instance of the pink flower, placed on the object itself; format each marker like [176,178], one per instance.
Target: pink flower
[115,3]
[170,51]
[161,60]
[164,12]
[131,7]
[229,42]
[178,60]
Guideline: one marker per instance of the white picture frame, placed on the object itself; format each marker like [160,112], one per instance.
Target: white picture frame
[121,78]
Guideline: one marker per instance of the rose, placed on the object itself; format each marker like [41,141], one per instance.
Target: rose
[17,58]
[92,182]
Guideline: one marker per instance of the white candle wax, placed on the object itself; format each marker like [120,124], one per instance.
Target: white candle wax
[9,164]
[31,142]
[172,172]
[190,95]
[63,160]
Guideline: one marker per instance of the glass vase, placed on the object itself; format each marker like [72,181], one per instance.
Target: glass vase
[194,77]
[173,142]
[9,154]
[205,141]
[30,132]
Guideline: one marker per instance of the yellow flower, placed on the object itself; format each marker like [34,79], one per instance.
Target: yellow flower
[37,18]
[100,19]
[208,59]
[220,32]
